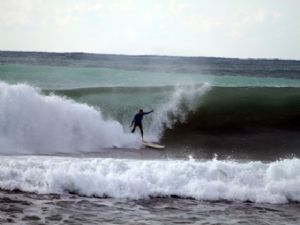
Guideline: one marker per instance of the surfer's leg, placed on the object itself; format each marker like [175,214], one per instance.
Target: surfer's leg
[141,129]
[133,129]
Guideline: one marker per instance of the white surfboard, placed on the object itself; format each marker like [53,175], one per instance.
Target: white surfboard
[152,145]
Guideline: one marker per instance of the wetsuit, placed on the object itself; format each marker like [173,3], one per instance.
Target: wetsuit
[137,121]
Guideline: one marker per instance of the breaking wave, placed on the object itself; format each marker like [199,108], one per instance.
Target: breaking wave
[35,123]
[32,122]
[274,182]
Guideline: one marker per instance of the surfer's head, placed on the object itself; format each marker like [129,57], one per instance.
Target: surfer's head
[141,111]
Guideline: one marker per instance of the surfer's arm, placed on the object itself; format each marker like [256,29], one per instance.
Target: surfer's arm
[148,112]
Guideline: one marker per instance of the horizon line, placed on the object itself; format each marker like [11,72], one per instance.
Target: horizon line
[149,55]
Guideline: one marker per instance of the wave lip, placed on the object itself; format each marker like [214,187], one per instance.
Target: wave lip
[274,182]
[184,100]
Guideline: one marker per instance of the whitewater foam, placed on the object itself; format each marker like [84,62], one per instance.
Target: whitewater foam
[274,182]
[35,123]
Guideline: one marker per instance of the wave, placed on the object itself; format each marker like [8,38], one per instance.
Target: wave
[273,182]
[190,116]
[32,122]
[205,108]
[238,109]
[36,123]
[172,104]
[257,123]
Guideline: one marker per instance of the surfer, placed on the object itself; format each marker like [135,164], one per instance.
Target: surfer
[137,121]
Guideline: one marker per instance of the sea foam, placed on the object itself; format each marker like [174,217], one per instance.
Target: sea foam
[274,182]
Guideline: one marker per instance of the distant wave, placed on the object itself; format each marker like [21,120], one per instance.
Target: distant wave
[212,180]
[173,64]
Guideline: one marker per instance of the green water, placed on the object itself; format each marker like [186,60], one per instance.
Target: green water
[52,78]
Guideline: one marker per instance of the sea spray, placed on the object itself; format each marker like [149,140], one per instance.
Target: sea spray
[34,123]
[184,100]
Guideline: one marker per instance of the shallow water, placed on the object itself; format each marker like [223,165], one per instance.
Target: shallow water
[26,208]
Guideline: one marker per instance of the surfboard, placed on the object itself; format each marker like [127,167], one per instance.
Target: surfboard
[152,145]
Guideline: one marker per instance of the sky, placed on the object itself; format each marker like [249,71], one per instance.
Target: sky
[219,28]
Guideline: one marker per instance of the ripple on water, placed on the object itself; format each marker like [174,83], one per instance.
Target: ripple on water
[71,209]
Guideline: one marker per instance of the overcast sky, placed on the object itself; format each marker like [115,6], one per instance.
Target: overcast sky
[222,28]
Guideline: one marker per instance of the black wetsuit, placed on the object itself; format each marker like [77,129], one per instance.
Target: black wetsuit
[137,122]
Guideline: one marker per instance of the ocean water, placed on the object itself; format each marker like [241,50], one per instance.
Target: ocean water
[231,129]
